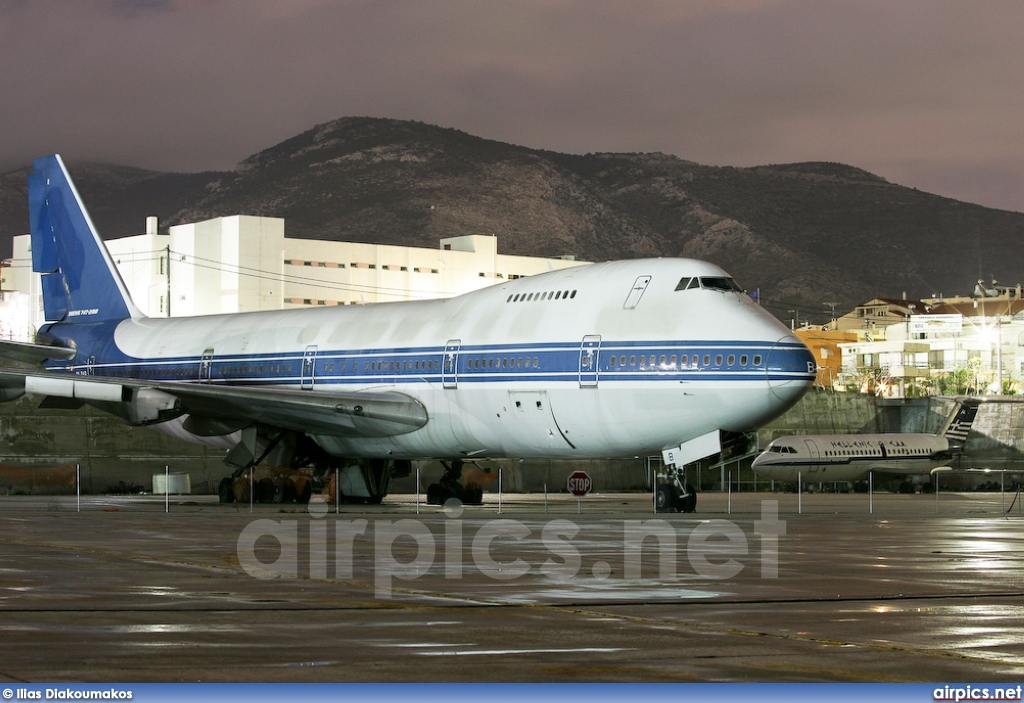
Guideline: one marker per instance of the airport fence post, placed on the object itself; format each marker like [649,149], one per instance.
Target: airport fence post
[167,489]
[654,490]
[337,492]
[250,489]
[936,492]
[871,492]
[1002,490]
[78,485]
[417,489]
[545,497]
[729,503]
[499,490]
[799,493]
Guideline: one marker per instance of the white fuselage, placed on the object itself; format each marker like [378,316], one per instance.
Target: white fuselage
[594,361]
[813,458]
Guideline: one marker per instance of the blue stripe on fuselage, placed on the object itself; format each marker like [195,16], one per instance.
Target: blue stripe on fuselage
[489,363]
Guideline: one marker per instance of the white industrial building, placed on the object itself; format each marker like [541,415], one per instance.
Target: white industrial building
[243,263]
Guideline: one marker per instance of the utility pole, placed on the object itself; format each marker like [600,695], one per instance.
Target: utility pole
[832,304]
[168,280]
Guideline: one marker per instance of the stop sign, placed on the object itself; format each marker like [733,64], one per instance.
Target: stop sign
[579,483]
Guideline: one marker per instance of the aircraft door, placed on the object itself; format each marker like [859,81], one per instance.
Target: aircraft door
[308,367]
[633,299]
[450,364]
[529,424]
[589,351]
[812,450]
[206,366]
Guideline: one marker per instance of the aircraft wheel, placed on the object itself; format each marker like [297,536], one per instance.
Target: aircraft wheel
[284,490]
[226,491]
[665,498]
[303,490]
[434,494]
[265,490]
[472,495]
[689,503]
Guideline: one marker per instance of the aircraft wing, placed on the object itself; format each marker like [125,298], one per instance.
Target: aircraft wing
[34,353]
[218,409]
[344,413]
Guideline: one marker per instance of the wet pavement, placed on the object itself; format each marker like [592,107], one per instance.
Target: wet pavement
[753,587]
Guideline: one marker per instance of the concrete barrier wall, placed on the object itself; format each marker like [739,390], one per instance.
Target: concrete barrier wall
[110,452]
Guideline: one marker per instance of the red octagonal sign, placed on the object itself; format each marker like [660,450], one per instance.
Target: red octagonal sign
[579,483]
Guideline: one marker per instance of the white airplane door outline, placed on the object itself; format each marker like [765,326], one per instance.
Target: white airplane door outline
[815,454]
[206,366]
[308,368]
[450,364]
[590,349]
[636,292]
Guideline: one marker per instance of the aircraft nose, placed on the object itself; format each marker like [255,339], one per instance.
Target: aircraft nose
[791,369]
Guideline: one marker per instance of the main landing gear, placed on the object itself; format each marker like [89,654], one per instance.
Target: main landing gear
[675,495]
[450,486]
[272,485]
[292,467]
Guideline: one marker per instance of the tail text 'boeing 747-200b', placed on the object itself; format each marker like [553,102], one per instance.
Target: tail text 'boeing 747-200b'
[617,359]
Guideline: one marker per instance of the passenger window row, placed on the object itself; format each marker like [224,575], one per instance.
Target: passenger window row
[402,365]
[683,361]
[643,361]
[510,362]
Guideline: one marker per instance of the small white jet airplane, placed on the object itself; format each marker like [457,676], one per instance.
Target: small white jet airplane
[849,457]
[618,359]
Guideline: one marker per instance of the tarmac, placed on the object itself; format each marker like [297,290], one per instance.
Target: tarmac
[754,587]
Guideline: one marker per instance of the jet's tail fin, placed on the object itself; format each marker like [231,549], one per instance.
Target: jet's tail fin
[958,424]
[79,280]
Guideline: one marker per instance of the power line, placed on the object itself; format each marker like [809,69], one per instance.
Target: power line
[215,265]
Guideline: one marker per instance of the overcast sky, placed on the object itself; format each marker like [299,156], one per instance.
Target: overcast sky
[925,93]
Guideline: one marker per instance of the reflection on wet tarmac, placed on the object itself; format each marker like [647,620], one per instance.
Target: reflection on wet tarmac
[904,596]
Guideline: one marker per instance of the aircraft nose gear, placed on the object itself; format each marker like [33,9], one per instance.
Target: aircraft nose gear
[450,486]
[675,496]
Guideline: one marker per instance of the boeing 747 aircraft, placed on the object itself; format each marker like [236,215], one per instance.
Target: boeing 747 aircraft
[618,359]
[849,457]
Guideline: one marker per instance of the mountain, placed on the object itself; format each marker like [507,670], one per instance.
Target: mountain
[801,233]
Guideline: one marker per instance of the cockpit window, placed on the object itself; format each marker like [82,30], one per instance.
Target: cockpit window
[719,283]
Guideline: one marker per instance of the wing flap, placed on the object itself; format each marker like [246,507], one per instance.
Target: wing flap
[350,414]
[346,413]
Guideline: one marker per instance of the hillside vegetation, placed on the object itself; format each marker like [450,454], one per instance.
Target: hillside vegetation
[801,233]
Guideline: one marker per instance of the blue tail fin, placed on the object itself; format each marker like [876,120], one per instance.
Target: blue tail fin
[79,280]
